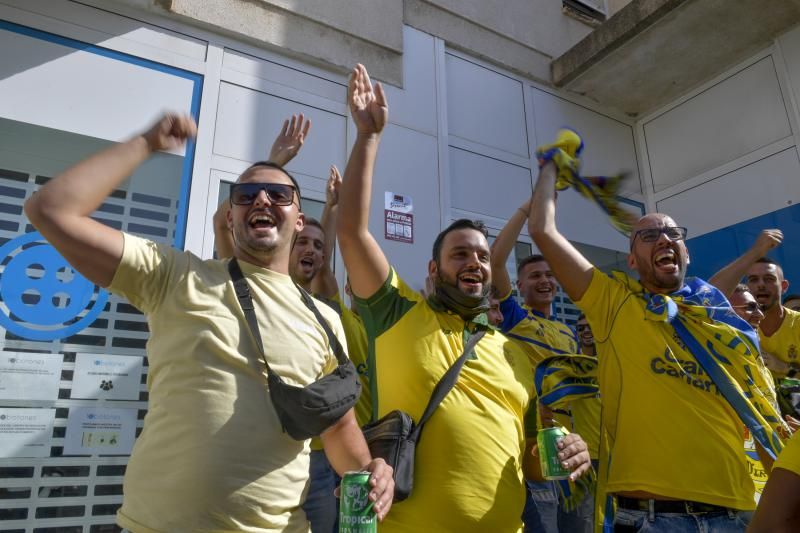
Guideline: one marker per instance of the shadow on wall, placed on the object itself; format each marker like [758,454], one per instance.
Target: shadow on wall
[714,250]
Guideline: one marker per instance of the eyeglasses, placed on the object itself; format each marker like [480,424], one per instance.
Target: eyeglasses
[277,193]
[581,327]
[750,307]
[674,233]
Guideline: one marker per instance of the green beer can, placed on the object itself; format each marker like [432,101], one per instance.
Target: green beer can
[548,439]
[355,508]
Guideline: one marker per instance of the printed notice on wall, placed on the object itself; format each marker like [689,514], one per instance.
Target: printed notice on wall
[399,218]
[26,432]
[100,431]
[29,376]
[110,377]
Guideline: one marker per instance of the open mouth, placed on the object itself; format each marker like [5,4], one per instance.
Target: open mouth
[667,261]
[762,297]
[471,280]
[307,263]
[261,221]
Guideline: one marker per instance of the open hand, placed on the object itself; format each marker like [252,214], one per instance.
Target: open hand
[367,103]
[332,187]
[289,141]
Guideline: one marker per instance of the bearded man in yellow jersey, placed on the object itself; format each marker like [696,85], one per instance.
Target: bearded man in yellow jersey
[473,450]
[779,331]
[675,460]
[541,336]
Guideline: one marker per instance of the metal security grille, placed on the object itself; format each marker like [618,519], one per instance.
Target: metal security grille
[76,494]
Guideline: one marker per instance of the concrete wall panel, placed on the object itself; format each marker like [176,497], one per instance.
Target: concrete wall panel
[729,120]
[249,120]
[486,107]
[762,187]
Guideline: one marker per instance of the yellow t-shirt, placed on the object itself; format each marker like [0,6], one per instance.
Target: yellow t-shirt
[541,337]
[671,432]
[757,471]
[784,343]
[468,471]
[357,351]
[789,458]
[212,455]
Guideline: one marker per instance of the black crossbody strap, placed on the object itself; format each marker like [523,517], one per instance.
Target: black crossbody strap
[447,382]
[332,339]
[246,302]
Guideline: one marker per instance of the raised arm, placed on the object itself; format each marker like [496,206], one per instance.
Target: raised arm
[731,275]
[365,261]
[503,245]
[324,283]
[289,140]
[572,269]
[61,209]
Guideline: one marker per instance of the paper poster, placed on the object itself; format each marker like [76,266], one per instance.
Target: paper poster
[109,377]
[26,432]
[29,376]
[398,218]
[97,430]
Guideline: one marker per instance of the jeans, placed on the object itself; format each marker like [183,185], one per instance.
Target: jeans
[545,513]
[321,506]
[627,520]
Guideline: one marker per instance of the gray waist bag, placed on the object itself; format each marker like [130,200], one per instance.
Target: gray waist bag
[304,412]
[394,437]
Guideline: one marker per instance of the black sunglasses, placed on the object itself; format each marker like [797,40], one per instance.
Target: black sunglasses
[674,233]
[581,327]
[750,307]
[277,193]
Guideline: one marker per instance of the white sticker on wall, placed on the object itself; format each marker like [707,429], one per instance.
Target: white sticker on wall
[398,217]
[109,377]
[26,432]
[100,431]
[29,376]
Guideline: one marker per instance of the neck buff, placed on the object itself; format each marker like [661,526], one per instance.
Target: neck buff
[449,297]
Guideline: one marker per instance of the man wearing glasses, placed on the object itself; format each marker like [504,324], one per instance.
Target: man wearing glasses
[676,460]
[212,455]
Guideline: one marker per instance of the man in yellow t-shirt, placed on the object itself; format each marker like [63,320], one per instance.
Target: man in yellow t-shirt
[779,332]
[472,452]
[533,327]
[675,444]
[200,463]
[779,508]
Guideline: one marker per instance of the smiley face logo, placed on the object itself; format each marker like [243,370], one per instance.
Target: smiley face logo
[43,297]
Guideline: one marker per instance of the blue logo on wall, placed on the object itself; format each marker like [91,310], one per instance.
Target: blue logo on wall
[45,297]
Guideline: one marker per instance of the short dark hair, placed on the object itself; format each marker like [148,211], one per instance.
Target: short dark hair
[768,261]
[791,297]
[309,221]
[525,261]
[276,166]
[461,223]
[741,288]
[580,317]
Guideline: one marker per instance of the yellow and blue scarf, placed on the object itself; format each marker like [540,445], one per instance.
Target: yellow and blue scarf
[560,380]
[725,346]
[601,190]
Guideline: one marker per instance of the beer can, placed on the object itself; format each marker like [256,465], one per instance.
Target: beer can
[547,439]
[355,508]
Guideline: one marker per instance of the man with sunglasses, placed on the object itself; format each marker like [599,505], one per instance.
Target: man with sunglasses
[536,330]
[779,331]
[675,460]
[212,455]
[585,336]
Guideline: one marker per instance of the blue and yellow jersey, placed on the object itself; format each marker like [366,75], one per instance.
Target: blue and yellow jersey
[671,431]
[468,471]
